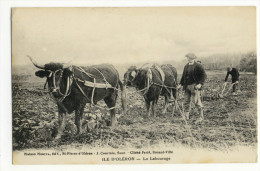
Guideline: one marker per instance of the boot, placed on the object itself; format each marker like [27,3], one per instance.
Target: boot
[234,94]
[201,118]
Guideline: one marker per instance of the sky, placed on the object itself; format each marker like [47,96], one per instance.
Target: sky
[129,35]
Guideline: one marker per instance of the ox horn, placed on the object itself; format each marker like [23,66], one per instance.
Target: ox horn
[68,64]
[35,64]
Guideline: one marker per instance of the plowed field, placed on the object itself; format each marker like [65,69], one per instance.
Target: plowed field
[229,121]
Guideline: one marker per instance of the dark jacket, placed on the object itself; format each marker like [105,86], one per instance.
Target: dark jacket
[198,75]
[234,73]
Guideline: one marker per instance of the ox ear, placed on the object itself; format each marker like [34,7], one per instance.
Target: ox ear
[42,73]
[133,74]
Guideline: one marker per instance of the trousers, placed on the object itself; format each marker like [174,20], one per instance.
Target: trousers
[234,88]
[192,95]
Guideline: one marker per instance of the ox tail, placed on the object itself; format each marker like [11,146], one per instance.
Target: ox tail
[123,96]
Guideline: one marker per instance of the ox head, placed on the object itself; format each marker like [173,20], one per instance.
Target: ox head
[137,77]
[130,75]
[142,76]
[57,75]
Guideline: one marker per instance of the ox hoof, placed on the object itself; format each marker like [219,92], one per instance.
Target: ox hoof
[199,120]
[58,137]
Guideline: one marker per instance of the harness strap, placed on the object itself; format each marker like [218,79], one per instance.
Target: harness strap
[92,96]
[68,90]
[80,87]
[87,83]
[97,85]
[146,65]
[68,85]
[91,84]
[149,78]
[46,82]
[82,70]
[53,80]
[50,74]
[104,78]
[150,83]
[93,91]
[159,69]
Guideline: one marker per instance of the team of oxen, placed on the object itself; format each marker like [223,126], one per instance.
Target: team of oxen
[73,86]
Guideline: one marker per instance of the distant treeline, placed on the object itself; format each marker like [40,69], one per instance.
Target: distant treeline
[249,63]
[243,62]
[221,61]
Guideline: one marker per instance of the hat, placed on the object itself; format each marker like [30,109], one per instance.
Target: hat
[191,56]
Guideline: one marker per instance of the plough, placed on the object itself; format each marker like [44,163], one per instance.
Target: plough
[222,94]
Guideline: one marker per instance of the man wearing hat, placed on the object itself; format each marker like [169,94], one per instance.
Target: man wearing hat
[192,80]
[235,78]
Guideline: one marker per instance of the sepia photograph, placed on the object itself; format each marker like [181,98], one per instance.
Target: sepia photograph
[134,85]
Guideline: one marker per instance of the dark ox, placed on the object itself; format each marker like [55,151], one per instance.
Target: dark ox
[148,80]
[67,87]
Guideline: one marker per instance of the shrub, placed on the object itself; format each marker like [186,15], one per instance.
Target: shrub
[249,63]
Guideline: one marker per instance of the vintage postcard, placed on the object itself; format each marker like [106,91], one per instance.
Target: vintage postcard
[134,85]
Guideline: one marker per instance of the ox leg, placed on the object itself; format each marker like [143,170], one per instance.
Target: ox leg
[148,104]
[111,103]
[78,119]
[174,92]
[61,124]
[174,106]
[153,108]
[166,104]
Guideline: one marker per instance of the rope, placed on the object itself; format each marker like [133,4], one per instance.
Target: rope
[94,85]
[152,83]
[93,91]
[137,91]
[175,81]
[67,92]
[105,108]
[104,78]
[80,88]
[83,71]
[92,97]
